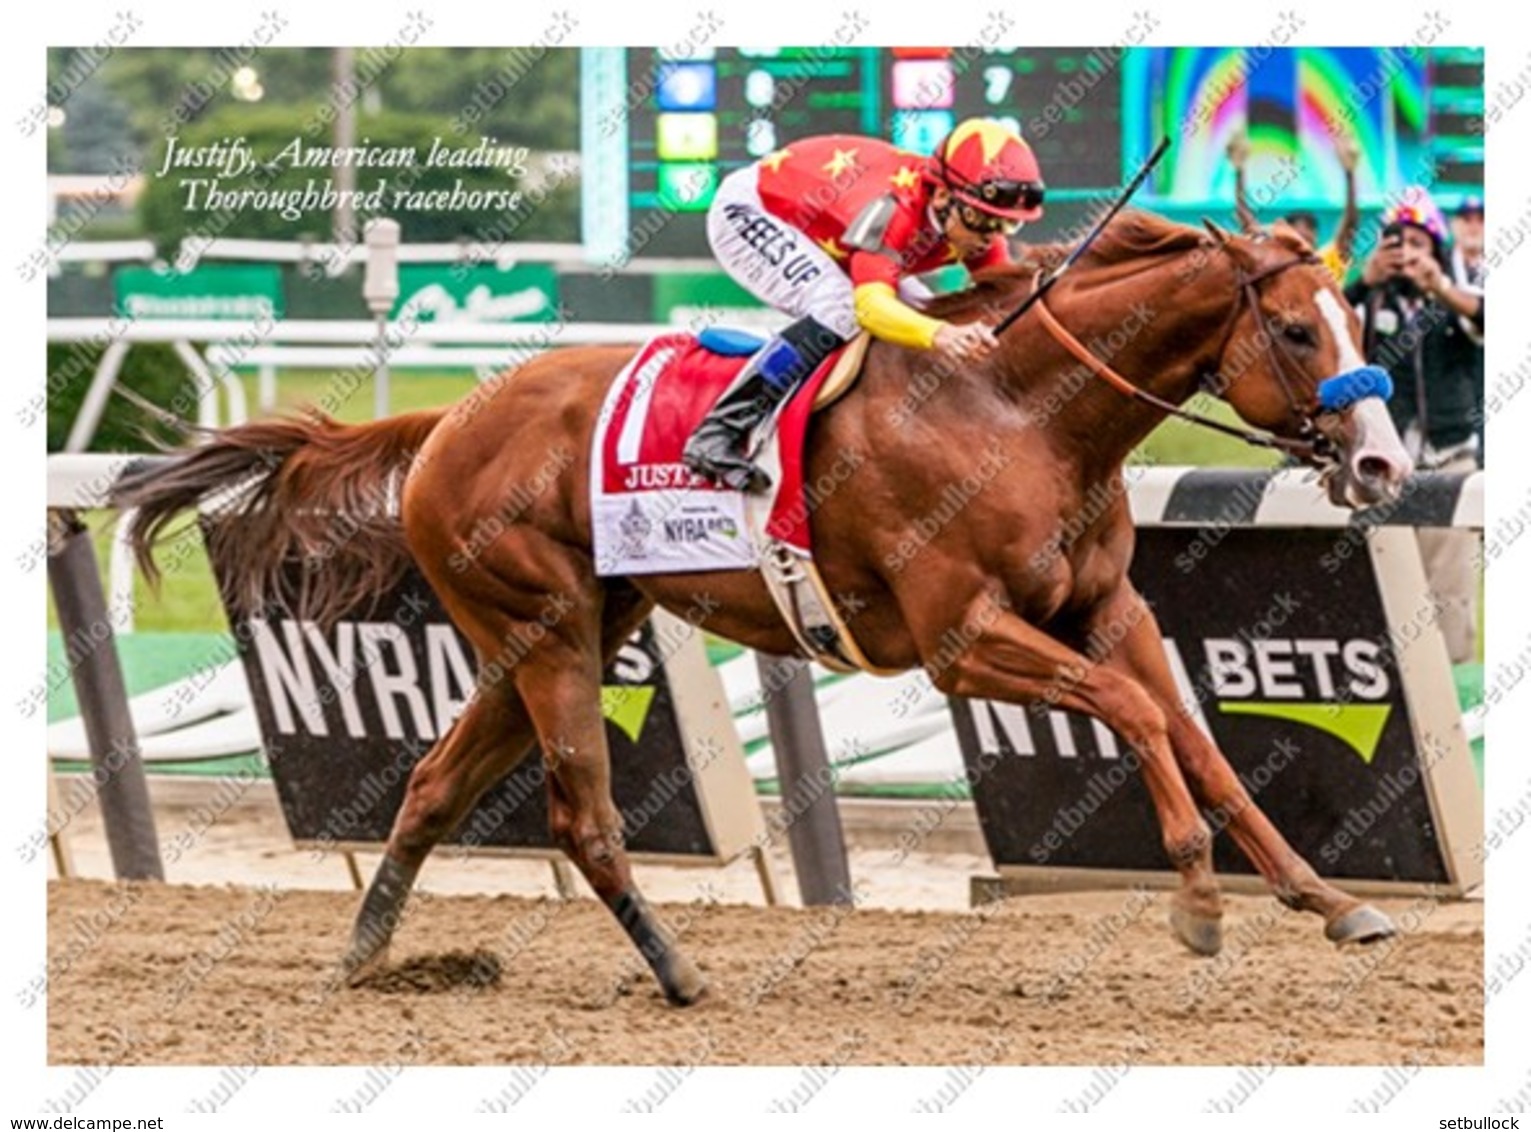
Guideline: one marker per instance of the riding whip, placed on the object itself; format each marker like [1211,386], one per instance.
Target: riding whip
[1100,226]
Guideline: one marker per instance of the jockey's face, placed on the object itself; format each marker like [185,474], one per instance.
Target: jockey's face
[965,240]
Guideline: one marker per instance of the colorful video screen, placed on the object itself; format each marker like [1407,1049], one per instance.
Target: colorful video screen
[1292,103]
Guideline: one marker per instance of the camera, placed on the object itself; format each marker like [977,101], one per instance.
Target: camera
[1397,284]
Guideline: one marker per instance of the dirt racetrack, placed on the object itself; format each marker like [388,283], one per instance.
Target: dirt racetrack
[181,974]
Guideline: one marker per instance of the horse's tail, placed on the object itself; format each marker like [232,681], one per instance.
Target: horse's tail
[297,488]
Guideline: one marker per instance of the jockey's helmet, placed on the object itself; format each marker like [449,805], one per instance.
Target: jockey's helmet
[991,170]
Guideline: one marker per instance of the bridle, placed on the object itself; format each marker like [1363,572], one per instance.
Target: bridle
[1310,446]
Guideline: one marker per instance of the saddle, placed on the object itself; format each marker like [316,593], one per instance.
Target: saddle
[650,514]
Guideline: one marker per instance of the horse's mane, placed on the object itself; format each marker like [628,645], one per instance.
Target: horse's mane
[1132,236]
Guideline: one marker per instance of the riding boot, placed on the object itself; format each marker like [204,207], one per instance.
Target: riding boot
[717,448]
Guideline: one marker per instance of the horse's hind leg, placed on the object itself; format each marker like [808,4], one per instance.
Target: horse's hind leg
[491,736]
[561,683]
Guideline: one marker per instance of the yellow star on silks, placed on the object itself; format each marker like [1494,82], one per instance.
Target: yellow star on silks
[840,162]
[835,250]
[991,136]
[953,255]
[772,161]
[906,177]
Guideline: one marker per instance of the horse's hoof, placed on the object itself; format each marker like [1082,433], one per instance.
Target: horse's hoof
[1362,924]
[357,969]
[688,996]
[683,984]
[1201,933]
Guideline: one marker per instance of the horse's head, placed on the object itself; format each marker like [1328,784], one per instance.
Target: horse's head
[1290,362]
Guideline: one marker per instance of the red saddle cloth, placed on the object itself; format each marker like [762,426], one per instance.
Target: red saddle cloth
[654,515]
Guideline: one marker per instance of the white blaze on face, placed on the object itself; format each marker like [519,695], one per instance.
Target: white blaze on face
[1339,326]
[1376,450]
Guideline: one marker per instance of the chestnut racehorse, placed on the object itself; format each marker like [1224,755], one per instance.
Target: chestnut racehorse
[1258,321]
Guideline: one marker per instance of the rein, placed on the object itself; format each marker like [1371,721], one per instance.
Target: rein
[1310,446]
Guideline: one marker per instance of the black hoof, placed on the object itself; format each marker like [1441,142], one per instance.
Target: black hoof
[688,997]
[356,969]
[682,983]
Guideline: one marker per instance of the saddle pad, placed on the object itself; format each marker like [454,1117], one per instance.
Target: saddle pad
[652,515]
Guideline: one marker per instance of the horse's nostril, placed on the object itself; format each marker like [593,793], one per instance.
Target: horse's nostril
[1371,468]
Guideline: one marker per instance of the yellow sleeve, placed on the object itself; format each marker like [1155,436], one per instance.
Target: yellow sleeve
[1330,255]
[880,311]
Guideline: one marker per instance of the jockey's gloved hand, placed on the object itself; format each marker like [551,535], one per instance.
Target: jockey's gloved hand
[967,342]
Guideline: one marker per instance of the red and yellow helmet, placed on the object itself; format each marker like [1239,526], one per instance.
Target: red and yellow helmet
[989,168]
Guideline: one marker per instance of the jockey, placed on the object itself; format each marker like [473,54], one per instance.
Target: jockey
[830,230]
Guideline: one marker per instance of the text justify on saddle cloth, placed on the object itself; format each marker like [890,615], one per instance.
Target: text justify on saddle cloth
[774,243]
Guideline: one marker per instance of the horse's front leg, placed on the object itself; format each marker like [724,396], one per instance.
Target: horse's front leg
[1013,661]
[1139,654]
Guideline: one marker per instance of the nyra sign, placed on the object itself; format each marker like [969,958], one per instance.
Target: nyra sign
[1301,672]
[347,710]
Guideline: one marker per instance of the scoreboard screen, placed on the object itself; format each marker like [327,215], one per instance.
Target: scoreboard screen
[691,121]
[660,132]
[710,116]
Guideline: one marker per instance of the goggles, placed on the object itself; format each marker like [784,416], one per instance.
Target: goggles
[1009,196]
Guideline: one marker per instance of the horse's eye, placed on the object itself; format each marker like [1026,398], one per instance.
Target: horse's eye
[1298,334]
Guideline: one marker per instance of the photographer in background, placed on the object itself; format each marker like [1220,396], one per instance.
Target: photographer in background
[1425,327]
[1467,241]
[1468,265]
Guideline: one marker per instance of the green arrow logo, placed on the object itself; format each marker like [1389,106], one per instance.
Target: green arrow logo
[1359,725]
[627,705]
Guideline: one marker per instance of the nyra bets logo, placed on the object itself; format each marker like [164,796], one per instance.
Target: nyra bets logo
[1339,686]
[383,679]
[1333,685]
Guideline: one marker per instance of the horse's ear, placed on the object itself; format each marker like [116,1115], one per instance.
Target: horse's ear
[1238,250]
